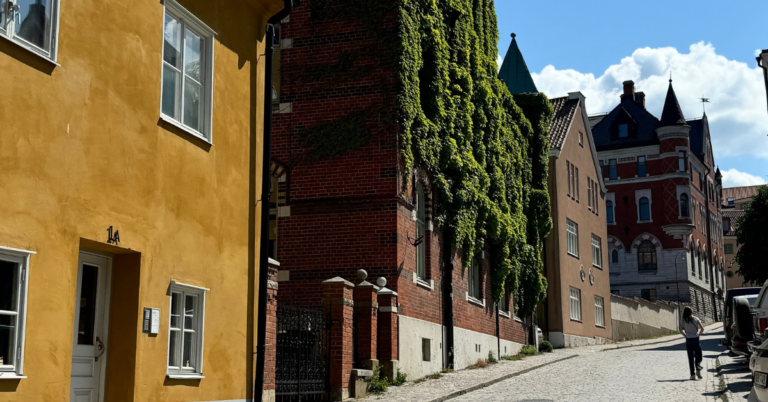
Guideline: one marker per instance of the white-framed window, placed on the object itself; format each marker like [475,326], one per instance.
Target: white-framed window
[581,138]
[185,330]
[597,254]
[599,312]
[187,83]
[681,165]
[573,237]
[575,304]
[569,174]
[31,24]
[589,193]
[473,283]
[14,266]
[503,302]
[421,255]
[576,181]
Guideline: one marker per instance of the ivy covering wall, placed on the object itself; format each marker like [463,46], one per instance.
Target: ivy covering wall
[485,150]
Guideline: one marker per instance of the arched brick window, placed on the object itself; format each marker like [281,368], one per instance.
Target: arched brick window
[645,209]
[615,257]
[646,256]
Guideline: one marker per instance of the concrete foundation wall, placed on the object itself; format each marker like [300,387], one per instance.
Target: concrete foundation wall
[412,331]
[635,319]
[471,346]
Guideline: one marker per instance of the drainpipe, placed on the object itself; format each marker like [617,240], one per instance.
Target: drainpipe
[261,329]
[709,247]
[448,298]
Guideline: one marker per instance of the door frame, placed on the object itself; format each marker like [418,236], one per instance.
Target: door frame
[105,318]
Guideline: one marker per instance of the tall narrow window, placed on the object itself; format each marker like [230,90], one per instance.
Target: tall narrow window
[187,71]
[645,209]
[684,209]
[31,24]
[474,279]
[575,304]
[13,298]
[623,131]
[503,302]
[185,330]
[681,161]
[581,138]
[609,211]
[646,256]
[694,261]
[569,177]
[597,253]
[612,172]
[599,312]
[641,166]
[615,257]
[573,238]
[421,263]
[576,180]
[589,193]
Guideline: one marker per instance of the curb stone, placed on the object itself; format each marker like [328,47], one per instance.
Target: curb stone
[725,392]
[496,380]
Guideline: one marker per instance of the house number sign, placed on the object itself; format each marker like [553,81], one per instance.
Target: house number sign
[113,236]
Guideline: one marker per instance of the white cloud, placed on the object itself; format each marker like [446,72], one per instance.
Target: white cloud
[734,178]
[737,112]
[499,60]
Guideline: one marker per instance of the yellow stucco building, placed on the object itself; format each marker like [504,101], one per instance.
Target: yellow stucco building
[131,137]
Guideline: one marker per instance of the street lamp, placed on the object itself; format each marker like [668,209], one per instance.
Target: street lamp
[679,231]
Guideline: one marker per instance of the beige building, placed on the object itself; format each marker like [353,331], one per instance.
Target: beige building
[734,201]
[577,310]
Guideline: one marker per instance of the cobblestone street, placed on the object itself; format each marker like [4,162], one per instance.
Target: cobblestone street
[656,372]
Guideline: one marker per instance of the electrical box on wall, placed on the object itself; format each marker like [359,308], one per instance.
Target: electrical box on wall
[151,321]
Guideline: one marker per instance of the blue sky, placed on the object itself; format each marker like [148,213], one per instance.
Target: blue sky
[709,47]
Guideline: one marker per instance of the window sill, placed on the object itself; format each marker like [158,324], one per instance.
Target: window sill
[597,266]
[478,302]
[648,221]
[505,314]
[648,272]
[600,326]
[34,52]
[574,256]
[427,285]
[579,321]
[518,319]
[11,376]
[185,376]
[187,130]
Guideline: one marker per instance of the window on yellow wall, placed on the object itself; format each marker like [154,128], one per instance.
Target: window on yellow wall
[13,301]
[33,25]
[187,71]
[185,331]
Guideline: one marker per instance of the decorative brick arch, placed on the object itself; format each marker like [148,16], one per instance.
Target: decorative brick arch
[617,244]
[646,236]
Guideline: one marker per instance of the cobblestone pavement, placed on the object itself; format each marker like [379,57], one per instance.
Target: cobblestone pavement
[735,371]
[650,370]
[647,373]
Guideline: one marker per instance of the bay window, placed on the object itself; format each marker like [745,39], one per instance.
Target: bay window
[187,84]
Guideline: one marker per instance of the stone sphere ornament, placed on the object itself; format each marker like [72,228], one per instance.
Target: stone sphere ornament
[381,282]
[361,275]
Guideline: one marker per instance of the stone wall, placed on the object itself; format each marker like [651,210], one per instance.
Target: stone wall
[638,318]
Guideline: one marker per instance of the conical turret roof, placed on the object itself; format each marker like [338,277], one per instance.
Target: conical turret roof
[671,115]
[515,73]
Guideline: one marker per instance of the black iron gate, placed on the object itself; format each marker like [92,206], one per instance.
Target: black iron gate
[302,366]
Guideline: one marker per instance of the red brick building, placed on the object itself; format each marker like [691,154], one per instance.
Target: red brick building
[662,182]
[341,214]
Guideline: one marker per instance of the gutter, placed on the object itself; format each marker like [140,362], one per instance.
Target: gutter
[261,328]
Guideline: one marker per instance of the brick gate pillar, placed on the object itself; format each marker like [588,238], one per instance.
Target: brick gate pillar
[270,346]
[366,307]
[338,305]
[387,324]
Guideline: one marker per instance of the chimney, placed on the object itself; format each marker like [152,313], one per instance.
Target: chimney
[629,90]
[640,99]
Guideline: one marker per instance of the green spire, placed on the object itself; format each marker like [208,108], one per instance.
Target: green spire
[515,73]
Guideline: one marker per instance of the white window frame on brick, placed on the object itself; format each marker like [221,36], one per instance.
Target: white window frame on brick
[572,233]
[189,22]
[473,279]
[639,195]
[599,311]
[196,328]
[597,252]
[14,368]
[10,15]
[421,232]
[575,304]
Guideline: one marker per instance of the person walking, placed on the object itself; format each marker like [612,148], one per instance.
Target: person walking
[691,329]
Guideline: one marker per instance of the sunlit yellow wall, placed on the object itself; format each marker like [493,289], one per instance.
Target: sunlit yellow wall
[81,149]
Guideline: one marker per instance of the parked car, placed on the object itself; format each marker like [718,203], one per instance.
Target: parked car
[728,319]
[741,329]
[759,366]
[760,319]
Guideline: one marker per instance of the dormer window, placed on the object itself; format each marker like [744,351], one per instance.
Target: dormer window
[623,131]
[731,202]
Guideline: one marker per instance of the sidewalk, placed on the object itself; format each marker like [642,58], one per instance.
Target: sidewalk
[737,379]
[454,384]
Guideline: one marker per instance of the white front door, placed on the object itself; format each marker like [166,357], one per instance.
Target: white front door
[90,344]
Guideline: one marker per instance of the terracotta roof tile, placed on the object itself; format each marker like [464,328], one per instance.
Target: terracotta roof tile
[738,193]
[564,111]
